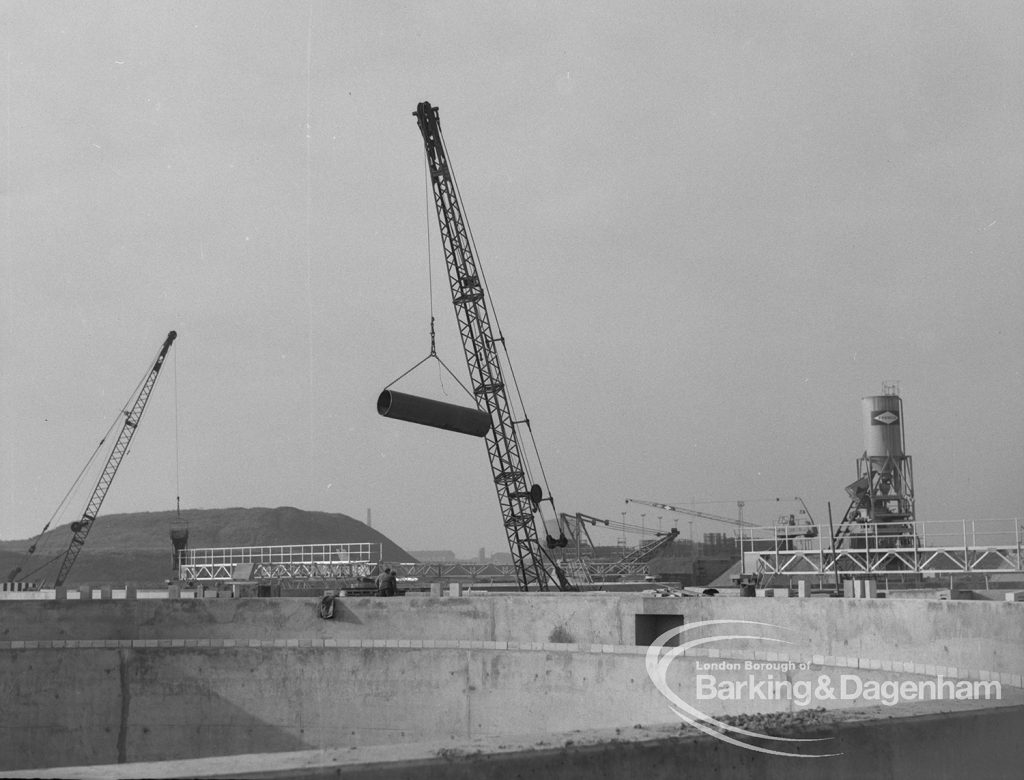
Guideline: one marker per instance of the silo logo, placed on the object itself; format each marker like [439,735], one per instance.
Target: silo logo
[659,659]
[885,418]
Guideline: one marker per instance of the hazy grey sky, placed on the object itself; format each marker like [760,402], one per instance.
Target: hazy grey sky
[709,229]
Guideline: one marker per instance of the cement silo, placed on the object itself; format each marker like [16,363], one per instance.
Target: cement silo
[883,426]
[882,497]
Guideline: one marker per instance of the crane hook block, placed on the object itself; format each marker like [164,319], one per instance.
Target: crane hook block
[425,411]
[561,541]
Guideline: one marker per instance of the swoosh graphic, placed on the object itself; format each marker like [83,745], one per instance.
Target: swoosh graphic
[657,668]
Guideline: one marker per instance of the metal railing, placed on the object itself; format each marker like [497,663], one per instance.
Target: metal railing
[965,546]
[278,562]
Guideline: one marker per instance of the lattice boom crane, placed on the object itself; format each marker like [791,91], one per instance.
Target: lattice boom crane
[81,528]
[517,500]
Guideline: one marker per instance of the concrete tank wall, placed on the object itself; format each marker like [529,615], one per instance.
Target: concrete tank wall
[586,617]
[951,745]
[99,682]
[82,706]
[79,705]
[961,634]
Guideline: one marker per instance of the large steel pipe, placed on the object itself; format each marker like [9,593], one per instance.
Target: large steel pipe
[412,408]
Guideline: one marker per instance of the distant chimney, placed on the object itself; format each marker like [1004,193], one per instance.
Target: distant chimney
[483,555]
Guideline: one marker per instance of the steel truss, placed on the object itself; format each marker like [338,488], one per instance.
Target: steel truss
[581,570]
[280,562]
[959,547]
[444,569]
[596,570]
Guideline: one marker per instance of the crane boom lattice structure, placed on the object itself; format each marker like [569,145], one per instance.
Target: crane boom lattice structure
[694,513]
[631,563]
[478,341]
[81,528]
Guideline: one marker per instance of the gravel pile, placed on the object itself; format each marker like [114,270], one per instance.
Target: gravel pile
[782,724]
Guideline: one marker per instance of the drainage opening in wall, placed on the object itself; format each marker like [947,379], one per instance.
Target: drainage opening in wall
[650,627]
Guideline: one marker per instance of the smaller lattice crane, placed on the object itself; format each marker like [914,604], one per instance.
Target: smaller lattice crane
[575,528]
[132,416]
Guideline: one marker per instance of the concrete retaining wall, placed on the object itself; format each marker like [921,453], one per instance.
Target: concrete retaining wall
[598,618]
[106,682]
[979,743]
[963,635]
[98,705]
[956,745]
[973,635]
[86,704]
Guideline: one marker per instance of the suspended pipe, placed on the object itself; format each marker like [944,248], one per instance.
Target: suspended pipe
[437,414]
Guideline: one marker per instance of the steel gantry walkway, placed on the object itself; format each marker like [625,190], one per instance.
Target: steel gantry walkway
[990,546]
[279,562]
[580,571]
[307,562]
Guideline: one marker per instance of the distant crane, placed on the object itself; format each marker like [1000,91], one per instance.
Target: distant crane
[80,529]
[575,526]
[694,513]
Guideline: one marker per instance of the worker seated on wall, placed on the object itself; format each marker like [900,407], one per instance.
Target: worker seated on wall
[326,607]
[387,583]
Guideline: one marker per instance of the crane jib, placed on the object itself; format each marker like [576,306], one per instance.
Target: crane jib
[482,361]
[84,525]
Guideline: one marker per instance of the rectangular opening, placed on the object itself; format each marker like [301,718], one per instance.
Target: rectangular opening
[650,627]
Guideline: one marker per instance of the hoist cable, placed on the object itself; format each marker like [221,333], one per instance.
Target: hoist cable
[177,447]
[62,505]
[497,326]
[42,566]
[428,195]
[428,357]
[63,502]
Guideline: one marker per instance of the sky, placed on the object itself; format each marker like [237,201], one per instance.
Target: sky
[708,228]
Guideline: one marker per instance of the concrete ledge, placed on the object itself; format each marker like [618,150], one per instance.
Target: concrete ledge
[952,744]
[1008,679]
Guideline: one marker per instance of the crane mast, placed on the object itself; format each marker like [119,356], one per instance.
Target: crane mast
[478,342]
[82,527]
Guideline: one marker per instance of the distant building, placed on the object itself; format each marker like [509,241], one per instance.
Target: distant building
[719,545]
[433,555]
[690,571]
